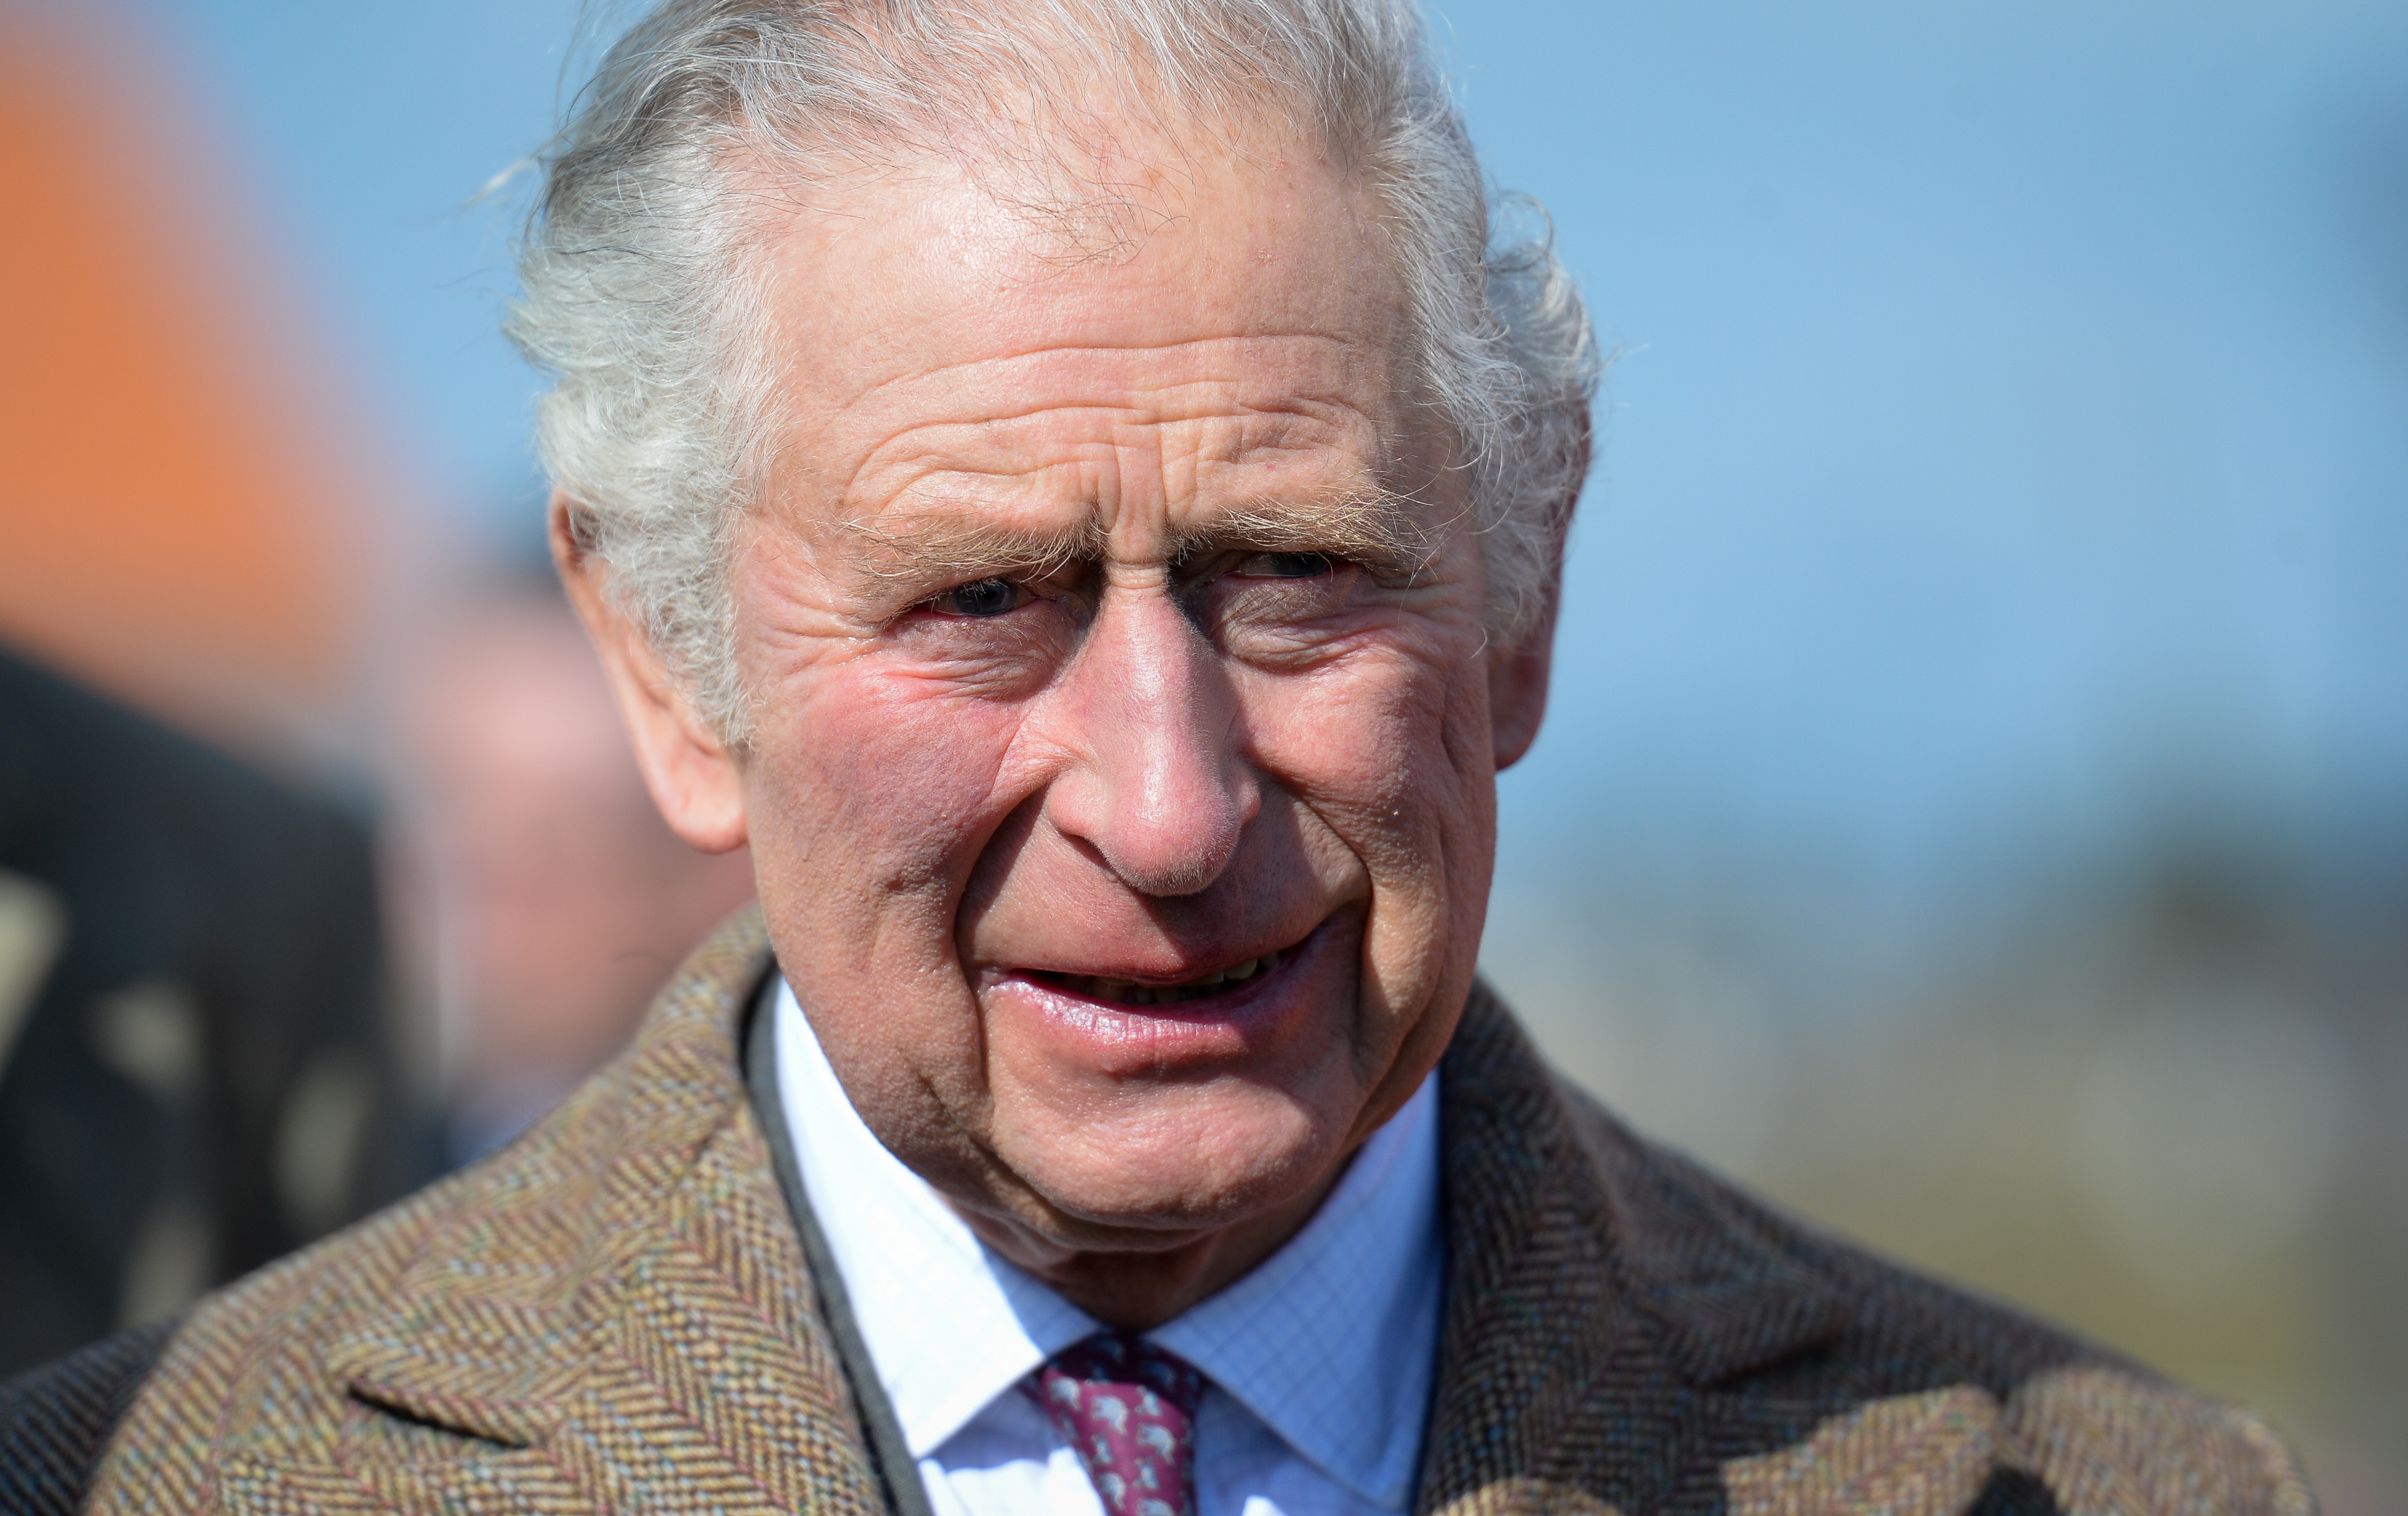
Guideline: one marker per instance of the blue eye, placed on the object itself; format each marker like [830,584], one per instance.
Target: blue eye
[982,599]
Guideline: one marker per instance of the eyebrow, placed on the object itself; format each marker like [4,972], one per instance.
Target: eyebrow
[928,546]
[1386,532]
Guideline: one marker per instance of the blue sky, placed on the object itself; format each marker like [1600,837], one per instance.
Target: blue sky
[2005,463]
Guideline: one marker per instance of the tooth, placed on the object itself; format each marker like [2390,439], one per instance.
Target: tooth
[1219,976]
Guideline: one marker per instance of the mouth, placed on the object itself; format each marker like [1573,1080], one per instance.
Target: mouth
[1119,1025]
[1134,993]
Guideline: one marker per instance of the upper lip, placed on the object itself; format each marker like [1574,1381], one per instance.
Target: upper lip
[1173,992]
[1244,967]
[1249,959]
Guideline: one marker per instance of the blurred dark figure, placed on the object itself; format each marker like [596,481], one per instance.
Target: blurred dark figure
[190,1054]
[539,899]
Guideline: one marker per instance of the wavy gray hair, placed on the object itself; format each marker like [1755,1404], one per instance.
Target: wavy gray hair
[642,301]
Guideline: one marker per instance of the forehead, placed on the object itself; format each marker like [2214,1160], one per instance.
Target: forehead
[940,328]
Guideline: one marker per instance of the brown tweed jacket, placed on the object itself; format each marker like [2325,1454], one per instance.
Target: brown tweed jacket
[614,1314]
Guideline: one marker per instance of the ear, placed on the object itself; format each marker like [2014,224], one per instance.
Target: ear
[1517,686]
[694,781]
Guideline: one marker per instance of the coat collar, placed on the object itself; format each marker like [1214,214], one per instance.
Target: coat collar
[623,1290]
[1599,1290]
[1594,1288]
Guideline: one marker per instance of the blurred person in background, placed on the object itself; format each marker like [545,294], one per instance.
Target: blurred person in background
[193,1074]
[538,901]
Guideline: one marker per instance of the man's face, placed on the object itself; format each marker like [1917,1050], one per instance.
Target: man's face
[1121,789]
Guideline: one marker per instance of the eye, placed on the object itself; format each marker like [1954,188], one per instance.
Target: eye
[980,598]
[1286,566]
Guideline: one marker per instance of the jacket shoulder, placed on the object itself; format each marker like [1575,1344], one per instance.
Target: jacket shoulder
[1907,1372]
[257,1351]
[55,1420]
[613,1313]
[1629,1331]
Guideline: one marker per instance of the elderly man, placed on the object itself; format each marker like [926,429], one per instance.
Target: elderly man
[1077,489]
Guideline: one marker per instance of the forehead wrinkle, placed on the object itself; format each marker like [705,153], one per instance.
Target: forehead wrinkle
[1006,454]
[1042,354]
[1047,436]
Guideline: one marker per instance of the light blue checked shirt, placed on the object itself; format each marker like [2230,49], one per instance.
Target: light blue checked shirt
[1320,1360]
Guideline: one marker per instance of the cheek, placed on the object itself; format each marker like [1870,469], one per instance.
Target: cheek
[1387,743]
[1392,755]
[878,793]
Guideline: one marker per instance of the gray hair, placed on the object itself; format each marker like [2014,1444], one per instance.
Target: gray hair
[639,299]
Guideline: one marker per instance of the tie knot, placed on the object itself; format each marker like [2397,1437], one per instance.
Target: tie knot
[1128,1410]
[1121,1359]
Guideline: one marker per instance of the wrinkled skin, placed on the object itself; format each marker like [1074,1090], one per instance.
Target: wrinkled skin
[1111,622]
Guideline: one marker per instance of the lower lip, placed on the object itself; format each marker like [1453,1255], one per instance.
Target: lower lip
[1246,1021]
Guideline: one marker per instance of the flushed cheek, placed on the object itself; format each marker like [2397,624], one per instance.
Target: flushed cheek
[880,794]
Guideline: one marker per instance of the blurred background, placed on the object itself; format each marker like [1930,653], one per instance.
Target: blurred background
[1974,808]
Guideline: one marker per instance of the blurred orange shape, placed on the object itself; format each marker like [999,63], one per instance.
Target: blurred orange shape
[169,502]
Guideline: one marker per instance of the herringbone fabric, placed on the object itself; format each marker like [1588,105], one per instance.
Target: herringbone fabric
[1626,1333]
[56,1421]
[614,1315]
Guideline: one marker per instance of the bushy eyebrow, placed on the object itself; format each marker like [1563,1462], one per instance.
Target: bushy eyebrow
[1388,532]
[930,547]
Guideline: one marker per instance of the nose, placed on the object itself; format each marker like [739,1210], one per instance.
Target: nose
[1157,786]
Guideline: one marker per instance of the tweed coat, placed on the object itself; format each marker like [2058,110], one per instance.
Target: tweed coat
[614,1315]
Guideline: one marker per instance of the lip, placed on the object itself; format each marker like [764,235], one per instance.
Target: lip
[1132,991]
[1244,1018]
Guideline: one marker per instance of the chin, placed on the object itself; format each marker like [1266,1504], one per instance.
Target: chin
[1193,1158]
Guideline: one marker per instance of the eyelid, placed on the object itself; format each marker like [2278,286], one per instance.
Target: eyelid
[935,600]
[1235,560]
[1051,581]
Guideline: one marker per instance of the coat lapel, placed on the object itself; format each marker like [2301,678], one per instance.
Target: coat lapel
[613,1315]
[1596,1297]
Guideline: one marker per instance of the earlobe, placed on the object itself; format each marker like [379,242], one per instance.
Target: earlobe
[1517,690]
[694,779]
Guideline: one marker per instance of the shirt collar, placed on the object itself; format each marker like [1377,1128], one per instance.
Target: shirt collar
[1331,1341]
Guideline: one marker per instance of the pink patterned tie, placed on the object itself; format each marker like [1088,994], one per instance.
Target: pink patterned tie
[1129,1409]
